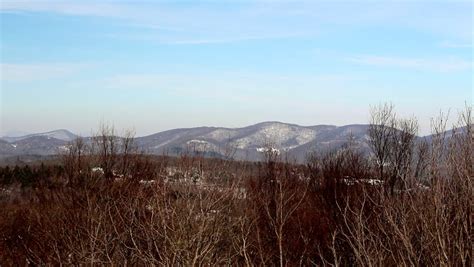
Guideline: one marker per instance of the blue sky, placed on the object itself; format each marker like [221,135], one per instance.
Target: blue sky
[157,65]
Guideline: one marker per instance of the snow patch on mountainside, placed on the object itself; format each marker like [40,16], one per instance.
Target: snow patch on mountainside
[64,148]
[170,140]
[282,135]
[63,135]
[201,146]
[268,149]
[221,135]
[199,142]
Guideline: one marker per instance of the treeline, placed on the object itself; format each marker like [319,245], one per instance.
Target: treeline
[409,204]
[29,176]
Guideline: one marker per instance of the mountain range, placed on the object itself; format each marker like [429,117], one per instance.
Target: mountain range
[245,143]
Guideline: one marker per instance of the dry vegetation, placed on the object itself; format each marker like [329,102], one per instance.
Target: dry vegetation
[408,204]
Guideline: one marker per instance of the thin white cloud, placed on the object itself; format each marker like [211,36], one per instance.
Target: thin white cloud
[208,40]
[217,23]
[438,65]
[64,7]
[171,25]
[450,44]
[36,72]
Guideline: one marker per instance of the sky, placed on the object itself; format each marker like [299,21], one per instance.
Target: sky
[150,66]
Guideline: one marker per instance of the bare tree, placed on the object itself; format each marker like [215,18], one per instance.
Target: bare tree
[393,144]
[278,196]
[438,146]
[74,158]
[128,151]
[401,148]
[421,160]
[105,141]
[382,123]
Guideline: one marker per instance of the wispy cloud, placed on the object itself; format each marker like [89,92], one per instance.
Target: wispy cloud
[64,7]
[202,40]
[450,44]
[214,22]
[438,65]
[184,25]
[36,72]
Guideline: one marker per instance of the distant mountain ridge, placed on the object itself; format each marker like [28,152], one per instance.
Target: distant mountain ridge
[61,134]
[244,143]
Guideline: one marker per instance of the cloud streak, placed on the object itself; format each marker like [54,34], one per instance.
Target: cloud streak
[64,7]
[218,23]
[37,72]
[437,65]
[449,44]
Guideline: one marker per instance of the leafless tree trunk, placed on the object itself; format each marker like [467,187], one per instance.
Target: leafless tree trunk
[73,159]
[402,145]
[382,123]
